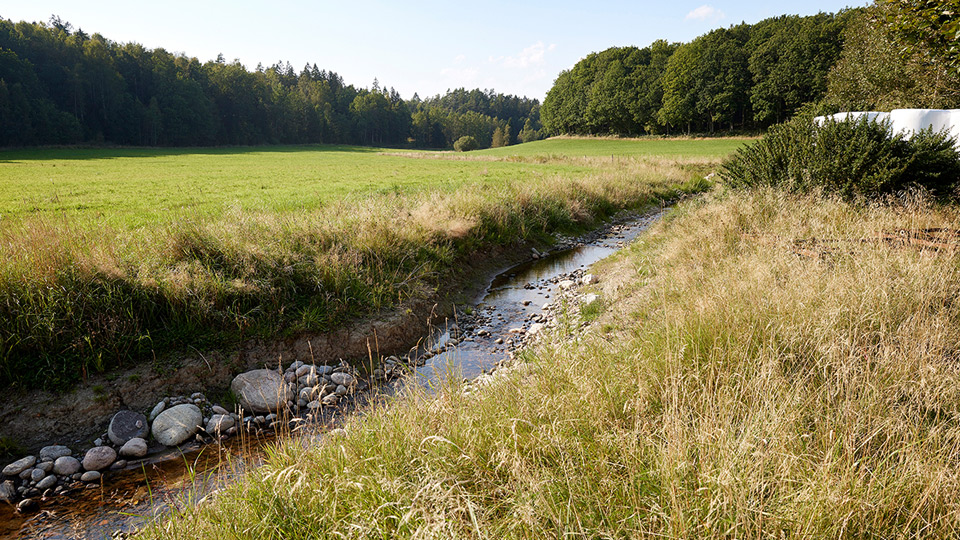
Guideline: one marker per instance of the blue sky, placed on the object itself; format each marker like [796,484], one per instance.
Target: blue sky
[425,47]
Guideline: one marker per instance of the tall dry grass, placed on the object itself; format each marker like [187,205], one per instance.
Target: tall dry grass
[735,388]
[76,299]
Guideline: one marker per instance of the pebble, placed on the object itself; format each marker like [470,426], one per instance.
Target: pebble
[37,474]
[98,458]
[261,390]
[220,410]
[28,506]
[51,453]
[45,466]
[219,424]
[90,476]
[19,466]
[344,379]
[126,425]
[47,482]
[157,409]
[177,424]
[7,491]
[66,465]
[134,448]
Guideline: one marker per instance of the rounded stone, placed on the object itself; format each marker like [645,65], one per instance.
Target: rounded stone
[177,424]
[98,458]
[37,474]
[134,448]
[261,390]
[28,506]
[90,476]
[66,465]
[219,424]
[51,453]
[126,425]
[157,409]
[47,482]
[45,466]
[341,378]
[7,491]
[19,466]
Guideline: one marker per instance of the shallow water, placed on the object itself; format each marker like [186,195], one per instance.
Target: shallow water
[129,499]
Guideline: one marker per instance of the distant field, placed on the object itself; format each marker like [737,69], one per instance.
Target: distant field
[572,146]
[134,187]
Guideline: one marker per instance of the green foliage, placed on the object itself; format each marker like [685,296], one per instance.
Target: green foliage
[59,87]
[850,158]
[742,77]
[929,28]
[466,144]
[872,74]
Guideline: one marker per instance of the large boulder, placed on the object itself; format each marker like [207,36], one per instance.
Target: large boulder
[261,390]
[177,424]
[99,458]
[126,425]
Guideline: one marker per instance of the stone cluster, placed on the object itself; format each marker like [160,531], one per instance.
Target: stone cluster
[267,399]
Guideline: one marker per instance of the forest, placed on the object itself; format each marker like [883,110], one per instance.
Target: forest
[62,86]
[748,77]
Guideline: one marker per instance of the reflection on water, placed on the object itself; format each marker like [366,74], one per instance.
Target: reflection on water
[129,499]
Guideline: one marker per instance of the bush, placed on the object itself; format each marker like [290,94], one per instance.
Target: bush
[851,158]
[466,144]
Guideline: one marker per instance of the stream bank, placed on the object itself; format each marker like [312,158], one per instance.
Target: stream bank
[514,308]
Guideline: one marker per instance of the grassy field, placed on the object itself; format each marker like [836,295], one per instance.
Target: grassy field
[140,187]
[686,148]
[110,256]
[765,368]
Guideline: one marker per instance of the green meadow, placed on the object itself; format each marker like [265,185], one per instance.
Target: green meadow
[114,256]
[136,187]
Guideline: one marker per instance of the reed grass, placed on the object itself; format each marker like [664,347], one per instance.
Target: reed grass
[739,388]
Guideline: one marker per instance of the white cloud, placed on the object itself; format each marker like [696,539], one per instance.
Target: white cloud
[705,12]
[459,58]
[533,55]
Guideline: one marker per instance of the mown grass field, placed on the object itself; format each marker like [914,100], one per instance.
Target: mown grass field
[140,187]
[128,187]
[766,367]
[686,148]
[110,256]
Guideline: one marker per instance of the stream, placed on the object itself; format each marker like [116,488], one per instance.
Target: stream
[128,499]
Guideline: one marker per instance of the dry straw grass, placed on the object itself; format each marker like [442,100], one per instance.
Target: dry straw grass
[733,389]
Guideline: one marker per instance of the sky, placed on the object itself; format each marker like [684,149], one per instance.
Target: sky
[426,47]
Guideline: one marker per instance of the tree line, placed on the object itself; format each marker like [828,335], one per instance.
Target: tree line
[892,54]
[747,76]
[62,86]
